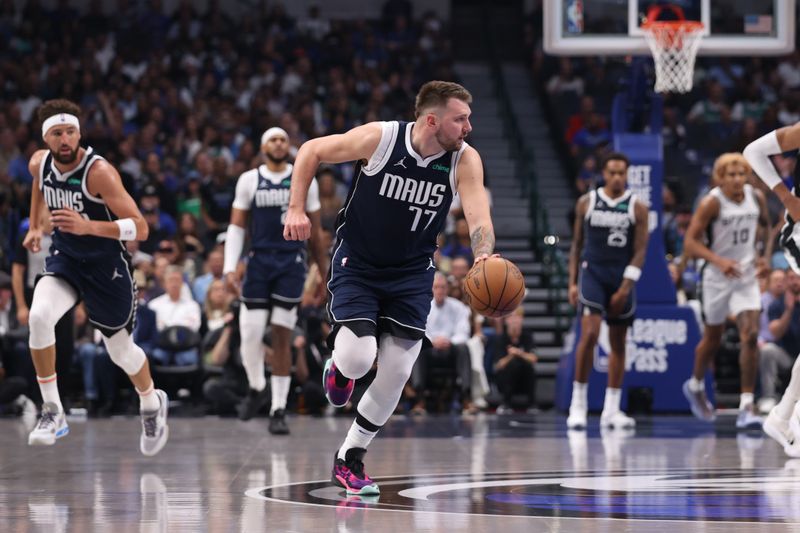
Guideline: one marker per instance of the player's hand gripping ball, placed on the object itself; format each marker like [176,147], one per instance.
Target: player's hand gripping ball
[495,287]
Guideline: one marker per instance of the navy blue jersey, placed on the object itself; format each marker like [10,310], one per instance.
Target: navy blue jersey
[265,194]
[70,191]
[608,229]
[398,202]
[268,212]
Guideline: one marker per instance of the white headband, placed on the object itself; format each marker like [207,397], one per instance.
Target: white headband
[62,119]
[273,132]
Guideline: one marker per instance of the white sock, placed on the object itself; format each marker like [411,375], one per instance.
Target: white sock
[611,404]
[357,437]
[745,400]
[148,399]
[579,392]
[696,385]
[48,386]
[280,391]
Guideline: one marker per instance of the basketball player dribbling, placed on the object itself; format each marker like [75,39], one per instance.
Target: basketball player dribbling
[382,267]
[91,214]
[608,251]
[783,421]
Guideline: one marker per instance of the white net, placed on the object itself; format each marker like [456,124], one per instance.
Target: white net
[674,47]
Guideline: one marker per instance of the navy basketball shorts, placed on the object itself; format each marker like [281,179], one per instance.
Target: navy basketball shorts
[374,300]
[597,284]
[105,285]
[274,278]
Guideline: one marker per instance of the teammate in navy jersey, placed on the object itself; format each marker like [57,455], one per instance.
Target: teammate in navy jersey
[276,272]
[381,276]
[608,251]
[91,214]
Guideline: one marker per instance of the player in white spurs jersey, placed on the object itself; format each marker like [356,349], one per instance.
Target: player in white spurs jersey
[733,217]
[783,422]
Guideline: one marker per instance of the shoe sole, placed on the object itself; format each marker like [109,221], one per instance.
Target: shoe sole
[165,400]
[159,447]
[695,409]
[775,434]
[34,441]
[369,490]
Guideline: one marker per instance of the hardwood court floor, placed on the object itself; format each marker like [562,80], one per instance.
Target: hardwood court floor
[485,473]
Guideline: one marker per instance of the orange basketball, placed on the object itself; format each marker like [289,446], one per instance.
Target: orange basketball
[495,287]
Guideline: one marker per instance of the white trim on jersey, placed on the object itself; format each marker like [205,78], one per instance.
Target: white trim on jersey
[421,161]
[400,323]
[85,183]
[63,177]
[453,167]
[385,147]
[592,202]
[616,201]
[247,185]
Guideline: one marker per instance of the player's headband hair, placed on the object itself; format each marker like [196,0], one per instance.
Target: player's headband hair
[273,132]
[60,119]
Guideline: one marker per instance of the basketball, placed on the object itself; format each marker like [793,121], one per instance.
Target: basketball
[495,287]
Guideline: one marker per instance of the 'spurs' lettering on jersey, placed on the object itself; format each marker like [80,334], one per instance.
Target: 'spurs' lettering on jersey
[732,233]
[70,191]
[398,204]
[608,229]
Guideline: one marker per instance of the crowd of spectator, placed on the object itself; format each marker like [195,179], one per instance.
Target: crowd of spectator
[177,102]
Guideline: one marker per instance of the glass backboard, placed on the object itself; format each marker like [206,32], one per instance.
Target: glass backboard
[613,27]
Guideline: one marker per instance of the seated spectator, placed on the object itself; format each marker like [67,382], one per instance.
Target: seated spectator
[588,176]
[329,199]
[189,235]
[459,243]
[515,365]
[213,272]
[709,110]
[448,329]
[224,392]
[174,310]
[579,120]
[782,335]
[12,388]
[592,136]
[216,306]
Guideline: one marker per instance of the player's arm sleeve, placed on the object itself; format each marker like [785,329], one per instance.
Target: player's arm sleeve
[245,190]
[757,154]
[312,200]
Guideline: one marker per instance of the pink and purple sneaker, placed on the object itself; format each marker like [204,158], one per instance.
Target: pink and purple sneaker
[349,474]
[337,396]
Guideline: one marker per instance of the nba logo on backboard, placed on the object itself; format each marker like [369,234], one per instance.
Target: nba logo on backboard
[574,16]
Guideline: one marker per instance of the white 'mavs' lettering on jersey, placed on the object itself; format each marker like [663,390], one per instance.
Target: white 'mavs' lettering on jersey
[412,191]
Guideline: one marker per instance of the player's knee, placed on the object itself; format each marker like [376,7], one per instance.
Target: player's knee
[284,317]
[252,322]
[124,353]
[352,354]
[42,328]
[749,337]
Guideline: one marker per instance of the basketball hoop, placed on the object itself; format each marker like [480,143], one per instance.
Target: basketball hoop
[674,45]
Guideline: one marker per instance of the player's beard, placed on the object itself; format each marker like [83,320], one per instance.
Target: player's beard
[447,144]
[66,159]
[276,160]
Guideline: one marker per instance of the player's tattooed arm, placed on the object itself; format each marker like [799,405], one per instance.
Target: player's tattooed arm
[475,202]
[482,240]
